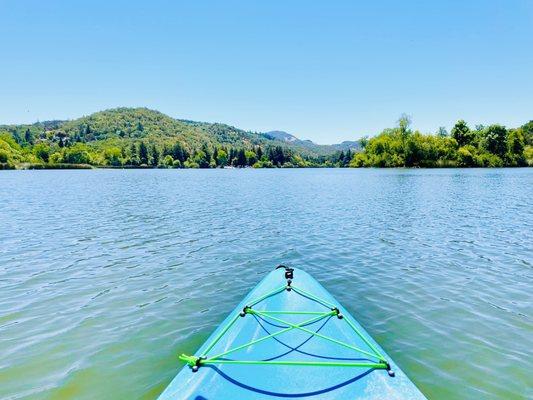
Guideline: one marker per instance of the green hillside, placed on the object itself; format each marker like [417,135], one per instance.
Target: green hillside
[140,136]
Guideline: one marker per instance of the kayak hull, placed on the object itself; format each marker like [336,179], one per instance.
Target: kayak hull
[298,363]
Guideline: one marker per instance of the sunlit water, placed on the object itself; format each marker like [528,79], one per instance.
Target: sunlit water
[106,275]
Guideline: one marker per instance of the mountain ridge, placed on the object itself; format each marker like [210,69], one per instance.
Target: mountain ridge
[142,122]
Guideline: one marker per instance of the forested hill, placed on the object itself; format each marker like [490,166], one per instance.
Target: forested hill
[104,134]
[143,123]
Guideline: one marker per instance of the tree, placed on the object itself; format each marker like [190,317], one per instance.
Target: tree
[112,156]
[340,158]
[251,157]
[77,154]
[442,132]
[42,151]
[199,160]
[527,130]
[404,122]
[462,133]
[143,153]
[4,156]
[277,156]
[347,158]
[466,156]
[207,153]
[178,152]
[17,137]
[134,155]
[168,161]
[515,147]
[28,136]
[222,158]
[155,155]
[232,156]
[496,140]
[241,158]
[215,156]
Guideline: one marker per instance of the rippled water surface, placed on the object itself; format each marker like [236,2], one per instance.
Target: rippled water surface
[105,275]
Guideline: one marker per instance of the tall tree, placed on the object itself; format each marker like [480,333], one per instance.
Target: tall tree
[28,136]
[222,158]
[178,152]
[462,133]
[515,145]
[155,155]
[404,122]
[215,156]
[207,153]
[496,139]
[143,153]
[241,158]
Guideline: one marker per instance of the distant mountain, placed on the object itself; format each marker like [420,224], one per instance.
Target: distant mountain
[348,145]
[281,135]
[308,144]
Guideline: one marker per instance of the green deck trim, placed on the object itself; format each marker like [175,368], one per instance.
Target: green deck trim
[195,361]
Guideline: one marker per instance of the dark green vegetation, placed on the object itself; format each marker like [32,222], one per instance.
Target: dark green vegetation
[139,137]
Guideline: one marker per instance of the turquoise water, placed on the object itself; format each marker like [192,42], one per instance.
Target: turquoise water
[105,275]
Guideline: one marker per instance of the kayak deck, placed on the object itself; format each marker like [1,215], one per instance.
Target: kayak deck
[289,338]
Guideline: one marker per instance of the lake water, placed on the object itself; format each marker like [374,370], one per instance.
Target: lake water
[106,275]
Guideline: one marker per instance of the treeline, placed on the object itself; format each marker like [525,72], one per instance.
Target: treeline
[49,146]
[177,156]
[491,146]
[17,149]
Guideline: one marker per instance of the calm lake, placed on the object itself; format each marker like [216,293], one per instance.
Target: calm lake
[106,275]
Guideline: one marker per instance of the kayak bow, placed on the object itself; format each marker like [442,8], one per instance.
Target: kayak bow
[278,341]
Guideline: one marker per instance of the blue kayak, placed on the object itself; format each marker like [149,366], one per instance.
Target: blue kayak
[289,338]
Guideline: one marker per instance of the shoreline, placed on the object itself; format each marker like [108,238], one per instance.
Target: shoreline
[28,167]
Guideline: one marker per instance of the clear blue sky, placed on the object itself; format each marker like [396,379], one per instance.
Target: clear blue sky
[327,71]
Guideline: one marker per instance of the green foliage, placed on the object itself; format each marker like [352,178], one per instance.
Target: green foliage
[56,158]
[528,155]
[516,149]
[486,147]
[466,156]
[462,133]
[4,156]
[168,161]
[495,139]
[222,158]
[154,152]
[77,154]
[143,153]
[527,130]
[137,137]
[42,151]
[442,132]
[113,156]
